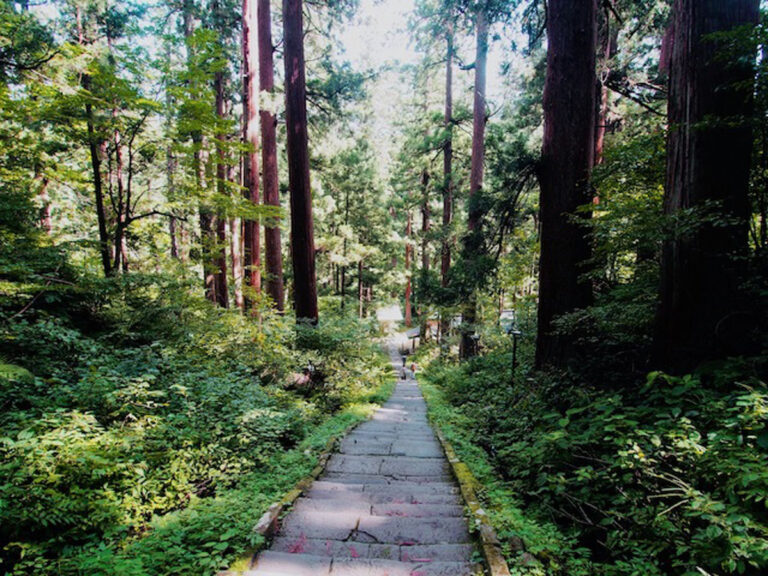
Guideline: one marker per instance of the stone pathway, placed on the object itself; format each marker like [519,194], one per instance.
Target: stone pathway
[385,506]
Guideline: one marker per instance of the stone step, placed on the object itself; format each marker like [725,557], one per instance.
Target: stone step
[403,487]
[379,436]
[390,497]
[375,447]
[417,510]
[379,480]
[434,487]
[381,529]
[335,548]
[362,507]
[376,567]
[342,549]
[271,563]
[419,425]
[387,465]
[314,524]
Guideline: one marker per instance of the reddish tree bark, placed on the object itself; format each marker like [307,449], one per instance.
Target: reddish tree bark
[478,120]
[302,227]
[445,260]
[445,248]
[408,288]
[566,166]
[468,344]
[708,161]
[607,44]
[425,216]
[273,245]
[251,236]
[425,227]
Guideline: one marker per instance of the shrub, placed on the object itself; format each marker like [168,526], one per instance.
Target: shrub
[144,434]
[666,477]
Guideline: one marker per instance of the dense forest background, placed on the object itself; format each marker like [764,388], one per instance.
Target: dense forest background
[204,202]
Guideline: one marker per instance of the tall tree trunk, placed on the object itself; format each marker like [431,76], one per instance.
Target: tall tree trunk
[360,289]
[205,216]
[708,161]
[236,253]
[170,162]
[220,249]
[425,226]
[220,254]
[445,252]
[468,344]
[302,227]
[94,146]
[172,231]
[207,247]
[479,117]
[98,190]
[219,262]
[762,195]
[566,167]
[273,245]
[173,222]
[607,37]
[408,288]
[344,250]
[251,234]
[122,208]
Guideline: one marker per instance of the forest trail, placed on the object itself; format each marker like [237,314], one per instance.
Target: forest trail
[386,504]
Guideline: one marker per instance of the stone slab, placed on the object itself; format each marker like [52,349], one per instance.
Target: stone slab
[416,510]
[439,552]
[293,564]
[314,524]
[354,464]
[408,466]
[412,530]
[373,567]
[335,548]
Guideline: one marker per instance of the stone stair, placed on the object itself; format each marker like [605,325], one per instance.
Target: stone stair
[386,505]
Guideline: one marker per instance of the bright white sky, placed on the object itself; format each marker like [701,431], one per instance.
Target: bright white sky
[377,35]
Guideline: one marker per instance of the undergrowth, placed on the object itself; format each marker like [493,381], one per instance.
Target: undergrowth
[143,432]
[669,476]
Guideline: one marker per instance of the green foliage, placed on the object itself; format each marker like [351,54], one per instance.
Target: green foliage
[517,530]
[150,431]
[667,477]
[24,43]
